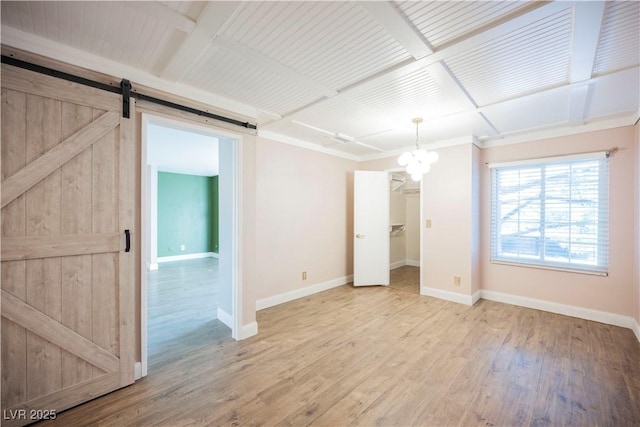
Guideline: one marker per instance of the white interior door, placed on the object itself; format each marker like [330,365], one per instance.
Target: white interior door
[371,228]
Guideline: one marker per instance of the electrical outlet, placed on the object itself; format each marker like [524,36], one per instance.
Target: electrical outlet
[428,223]
[183,248]
[304,275]
[456,280]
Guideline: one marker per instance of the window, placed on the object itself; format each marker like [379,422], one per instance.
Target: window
[552,213]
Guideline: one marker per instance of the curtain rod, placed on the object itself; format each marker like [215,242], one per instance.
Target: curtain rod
[575,156]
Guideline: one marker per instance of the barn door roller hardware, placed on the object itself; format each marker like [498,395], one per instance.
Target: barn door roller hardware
[125,90]
[125,85]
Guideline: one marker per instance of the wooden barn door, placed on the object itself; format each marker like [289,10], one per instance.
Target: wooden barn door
[68,171]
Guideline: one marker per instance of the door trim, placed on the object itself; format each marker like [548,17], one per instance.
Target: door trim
[422,221]
[169,120]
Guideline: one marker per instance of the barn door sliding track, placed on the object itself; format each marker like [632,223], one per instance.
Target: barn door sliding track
[125,89]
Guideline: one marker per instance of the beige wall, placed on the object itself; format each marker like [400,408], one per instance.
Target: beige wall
[412,232]
[613,294]
[304,218]
[447,194]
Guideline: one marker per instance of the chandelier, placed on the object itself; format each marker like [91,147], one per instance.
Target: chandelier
[417,162]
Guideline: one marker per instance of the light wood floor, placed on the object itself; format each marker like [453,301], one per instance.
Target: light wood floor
[181,302]
[405,278]
[381,356]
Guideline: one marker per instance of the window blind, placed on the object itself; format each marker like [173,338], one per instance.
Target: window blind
[552,213]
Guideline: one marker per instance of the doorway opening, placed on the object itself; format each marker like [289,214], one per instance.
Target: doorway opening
[405,203]
[189,199]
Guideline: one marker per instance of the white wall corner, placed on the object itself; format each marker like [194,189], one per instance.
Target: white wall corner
[247,331]
[564,309]
[475,297]
[412,262]
[447,295]
[224,317]
[301,293]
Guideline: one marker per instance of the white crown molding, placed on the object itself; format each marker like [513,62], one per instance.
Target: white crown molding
[58,51]
[470,139]
[274,136]
[628,119]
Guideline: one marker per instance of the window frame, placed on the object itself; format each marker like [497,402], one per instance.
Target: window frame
[601,267]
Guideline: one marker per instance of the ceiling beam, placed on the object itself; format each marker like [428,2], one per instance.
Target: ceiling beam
[587,21]
[578,99]
[530,16]
[405,33]
[163,13]
[451,85]
[210,22]
[273,66]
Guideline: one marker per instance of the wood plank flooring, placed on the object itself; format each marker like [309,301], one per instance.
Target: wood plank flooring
[382,356]
[406,278]
[181,300]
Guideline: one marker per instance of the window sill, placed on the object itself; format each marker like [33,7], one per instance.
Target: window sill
[550,267]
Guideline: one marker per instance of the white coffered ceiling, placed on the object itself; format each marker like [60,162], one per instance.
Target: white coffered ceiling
[316,73]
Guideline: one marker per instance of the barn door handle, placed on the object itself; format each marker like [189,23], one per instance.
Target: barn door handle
[127,241]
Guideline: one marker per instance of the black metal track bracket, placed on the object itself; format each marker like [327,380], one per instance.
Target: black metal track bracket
[126,98]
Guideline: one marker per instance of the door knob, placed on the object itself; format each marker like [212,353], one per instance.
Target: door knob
[360,236]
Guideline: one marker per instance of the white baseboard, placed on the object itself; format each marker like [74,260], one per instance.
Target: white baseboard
[187,257]
[224,317]
[397,264]
[566,310]
[475,297]
[636,329]
[301,293]
[447,295]
[403,262]
[137,368]
[247,331]
[152,266]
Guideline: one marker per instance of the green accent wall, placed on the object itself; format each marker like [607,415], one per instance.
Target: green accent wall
[187,214]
